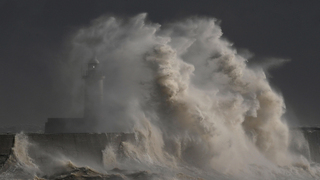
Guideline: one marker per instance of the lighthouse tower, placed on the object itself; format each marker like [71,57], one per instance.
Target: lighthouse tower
[93,102]
[93,92]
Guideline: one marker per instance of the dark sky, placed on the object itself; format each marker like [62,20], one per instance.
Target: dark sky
[33,36]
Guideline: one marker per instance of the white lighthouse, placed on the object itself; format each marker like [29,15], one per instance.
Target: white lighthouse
[93,104]
[93,91]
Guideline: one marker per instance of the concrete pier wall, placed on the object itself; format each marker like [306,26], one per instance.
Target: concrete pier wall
[312,135]
[86,147]
[78,147]
[6,144]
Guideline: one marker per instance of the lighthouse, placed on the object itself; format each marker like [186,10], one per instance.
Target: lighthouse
[93,104]
[93,96]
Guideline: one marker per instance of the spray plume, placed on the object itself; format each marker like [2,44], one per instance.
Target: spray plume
[191,98]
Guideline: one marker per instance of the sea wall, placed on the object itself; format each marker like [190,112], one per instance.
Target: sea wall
[88,148]
[6,144]
[312,135]
[78,147]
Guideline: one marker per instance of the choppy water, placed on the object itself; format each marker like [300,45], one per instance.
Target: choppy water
[198,110]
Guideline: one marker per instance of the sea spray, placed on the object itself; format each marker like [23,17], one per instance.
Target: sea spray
[190,96]
[19,164]
[20,151]
[109,156]
[196,108]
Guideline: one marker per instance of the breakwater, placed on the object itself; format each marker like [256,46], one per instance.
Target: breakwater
[89,147]
[312,136]
[6,145]
[86,153]
[78,147]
